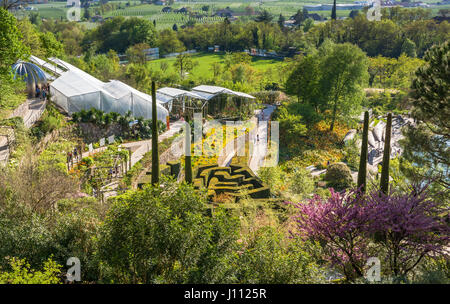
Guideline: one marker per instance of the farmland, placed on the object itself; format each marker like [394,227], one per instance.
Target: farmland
[58,10]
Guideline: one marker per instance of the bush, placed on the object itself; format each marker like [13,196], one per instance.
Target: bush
[339,176]
[268,257]
[301,182]
[23,274]
[161,235]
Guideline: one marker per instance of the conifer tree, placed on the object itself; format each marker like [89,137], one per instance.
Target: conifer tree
[187,156]
[333,11]
[384,181]
[155,154]
[362,172]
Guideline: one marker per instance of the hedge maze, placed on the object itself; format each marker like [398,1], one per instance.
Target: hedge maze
[171,168]
[237,181]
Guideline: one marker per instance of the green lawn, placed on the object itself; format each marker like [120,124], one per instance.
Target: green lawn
[204,61]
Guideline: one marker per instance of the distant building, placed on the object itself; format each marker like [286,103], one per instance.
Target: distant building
[316,17]
[97,18]
[224,13]
[329,7]
[71,3]
[289,23]
[182,10]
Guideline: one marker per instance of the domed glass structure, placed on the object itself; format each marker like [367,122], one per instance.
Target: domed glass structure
[31,73]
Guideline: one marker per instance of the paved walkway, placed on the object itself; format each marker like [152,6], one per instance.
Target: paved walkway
[260,146]
[139,148]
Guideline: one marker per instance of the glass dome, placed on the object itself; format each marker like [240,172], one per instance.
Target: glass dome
[29,72]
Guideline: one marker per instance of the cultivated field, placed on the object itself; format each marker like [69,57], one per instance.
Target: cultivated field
[58,10]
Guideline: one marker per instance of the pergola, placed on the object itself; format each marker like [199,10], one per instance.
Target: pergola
[214,96]
[179,101]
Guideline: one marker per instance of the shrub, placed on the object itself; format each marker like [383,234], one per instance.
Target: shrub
[22,273]
[339,176]
[268,257]
[301,182]
[160,234]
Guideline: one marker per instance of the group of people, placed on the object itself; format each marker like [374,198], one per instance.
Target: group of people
[42,92]
[73,155]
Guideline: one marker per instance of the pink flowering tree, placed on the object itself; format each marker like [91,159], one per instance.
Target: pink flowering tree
[338,224]
[408,227]
[400,229]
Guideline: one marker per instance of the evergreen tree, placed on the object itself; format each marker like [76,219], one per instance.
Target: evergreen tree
[409,48]
[155,154]
[264,16]
[187,156]
[281,20]
[427,142]
[175,27]
[362,172]
[384,181]
[87,14]
[305,13]
[333,11]
[299,17]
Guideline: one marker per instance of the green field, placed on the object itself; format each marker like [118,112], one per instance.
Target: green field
[58,10]
[204,61]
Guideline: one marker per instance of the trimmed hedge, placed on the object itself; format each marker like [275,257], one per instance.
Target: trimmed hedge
[204,167]
[175,168]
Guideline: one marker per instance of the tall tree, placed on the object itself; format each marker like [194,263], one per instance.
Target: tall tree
[155,153]
[333,11]
[187,152]
[281,21]
[384,181]
[304,79]
[264,16]
[362,172]
[344,74]
[427,143]
[11,46]
[184,63]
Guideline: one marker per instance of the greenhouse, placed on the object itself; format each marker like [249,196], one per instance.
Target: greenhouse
[180,101]
[76,90]
[219,101]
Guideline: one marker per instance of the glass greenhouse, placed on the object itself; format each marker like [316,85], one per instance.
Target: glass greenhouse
[76,90]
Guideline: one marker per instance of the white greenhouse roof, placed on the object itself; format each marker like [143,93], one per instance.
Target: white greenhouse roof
[76,90]
[46,65]
[165,95]
[208,92]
